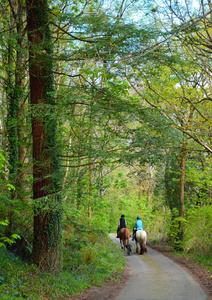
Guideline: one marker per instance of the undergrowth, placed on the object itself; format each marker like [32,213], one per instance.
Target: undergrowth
[85,265]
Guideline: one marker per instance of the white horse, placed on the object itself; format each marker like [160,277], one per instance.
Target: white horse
[141,238]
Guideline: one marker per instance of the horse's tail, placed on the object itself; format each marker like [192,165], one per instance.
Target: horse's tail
[124,236]
[142,238]
[127,235]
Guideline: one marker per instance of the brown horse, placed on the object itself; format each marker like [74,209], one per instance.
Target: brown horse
[124,235]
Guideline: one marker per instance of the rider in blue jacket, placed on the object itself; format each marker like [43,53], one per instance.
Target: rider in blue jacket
[138,226]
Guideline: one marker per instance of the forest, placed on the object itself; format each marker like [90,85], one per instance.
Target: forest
[105,109]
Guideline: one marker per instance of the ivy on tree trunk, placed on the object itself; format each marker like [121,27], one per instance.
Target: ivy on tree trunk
[47,250]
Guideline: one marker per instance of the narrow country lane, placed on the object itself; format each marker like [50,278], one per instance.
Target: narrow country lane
[155,277]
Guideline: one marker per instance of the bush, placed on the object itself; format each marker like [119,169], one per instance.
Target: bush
[198,231]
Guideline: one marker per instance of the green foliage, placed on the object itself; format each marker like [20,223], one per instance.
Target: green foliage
[2,162]
[7,240]
[175,229]
[171,180]
[198,230]
[158,229]
[199,179]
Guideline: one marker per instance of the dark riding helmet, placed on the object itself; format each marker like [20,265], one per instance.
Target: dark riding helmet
[122,216]
[138,218]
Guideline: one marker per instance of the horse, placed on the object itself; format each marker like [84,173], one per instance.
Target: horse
[124,235]
[141,238]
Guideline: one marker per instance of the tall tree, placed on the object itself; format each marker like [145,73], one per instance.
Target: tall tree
[47,251]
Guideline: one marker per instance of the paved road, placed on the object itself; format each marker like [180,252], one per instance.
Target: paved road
[155,277]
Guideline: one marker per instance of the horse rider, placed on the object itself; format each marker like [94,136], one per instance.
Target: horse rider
[122,224]
[138,226]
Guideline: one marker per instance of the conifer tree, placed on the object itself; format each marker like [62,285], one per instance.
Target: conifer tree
[47,252]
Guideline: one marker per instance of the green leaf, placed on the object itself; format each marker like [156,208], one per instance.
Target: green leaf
[15,236]
[10,187]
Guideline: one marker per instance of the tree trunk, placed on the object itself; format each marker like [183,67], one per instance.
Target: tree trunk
[20,90]
[182,174]
[182,178]
[47,250]
[90,188]
[182,187]
[12,118]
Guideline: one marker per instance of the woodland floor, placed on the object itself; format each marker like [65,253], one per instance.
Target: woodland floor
[111,289]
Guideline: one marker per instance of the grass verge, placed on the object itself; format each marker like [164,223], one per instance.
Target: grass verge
[205,260]
[85,265]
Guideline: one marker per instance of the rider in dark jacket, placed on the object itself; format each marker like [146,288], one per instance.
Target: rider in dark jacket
[122,224]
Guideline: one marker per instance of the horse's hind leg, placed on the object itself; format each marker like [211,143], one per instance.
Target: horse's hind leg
[136,247]
[124,242]
[141,248]
[144,246]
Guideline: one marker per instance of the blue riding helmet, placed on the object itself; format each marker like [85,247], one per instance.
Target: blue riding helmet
[138,218]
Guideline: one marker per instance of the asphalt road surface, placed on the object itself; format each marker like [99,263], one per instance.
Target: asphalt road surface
[155,277]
